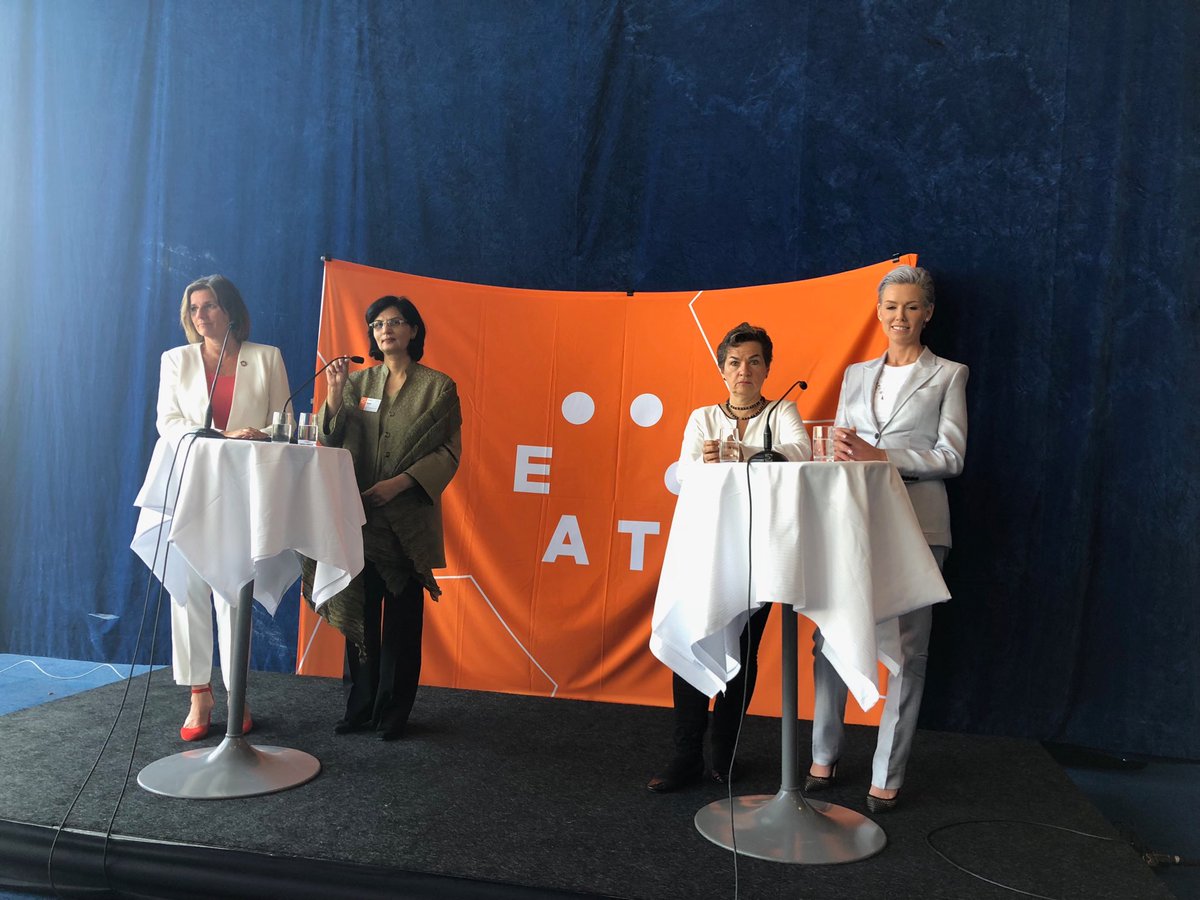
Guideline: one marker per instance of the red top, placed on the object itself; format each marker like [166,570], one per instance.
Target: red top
[222,401]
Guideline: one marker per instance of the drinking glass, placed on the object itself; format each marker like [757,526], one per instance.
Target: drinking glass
[281,427]
[306,432]
[731,449]
[822,443]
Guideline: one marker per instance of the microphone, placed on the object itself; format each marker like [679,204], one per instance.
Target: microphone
[767,454]
[208,431]
[308,381]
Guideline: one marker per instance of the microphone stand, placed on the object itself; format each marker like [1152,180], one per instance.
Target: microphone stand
[307,382]
[767,454]
[208,431]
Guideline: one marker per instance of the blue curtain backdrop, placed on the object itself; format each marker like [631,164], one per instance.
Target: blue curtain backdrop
[1043,160]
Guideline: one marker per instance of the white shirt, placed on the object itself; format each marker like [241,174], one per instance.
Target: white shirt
[887,389]
[711,423]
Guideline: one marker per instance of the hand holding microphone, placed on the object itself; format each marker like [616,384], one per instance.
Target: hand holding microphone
[336,361]
[336,376]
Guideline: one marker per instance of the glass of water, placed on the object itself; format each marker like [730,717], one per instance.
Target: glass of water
[731,449]
[822,443]
[306,432]
[281,427]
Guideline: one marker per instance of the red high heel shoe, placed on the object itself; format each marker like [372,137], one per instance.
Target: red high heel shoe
[198,732]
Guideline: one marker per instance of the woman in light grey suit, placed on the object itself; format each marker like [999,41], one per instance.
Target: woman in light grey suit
[908,408]
[251,384]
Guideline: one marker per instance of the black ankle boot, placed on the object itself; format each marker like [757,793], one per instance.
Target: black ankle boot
[682,771]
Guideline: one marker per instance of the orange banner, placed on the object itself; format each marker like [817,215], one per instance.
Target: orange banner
[573,413]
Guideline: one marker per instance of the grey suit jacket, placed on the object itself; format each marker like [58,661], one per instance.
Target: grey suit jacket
[926,435]
[259,389]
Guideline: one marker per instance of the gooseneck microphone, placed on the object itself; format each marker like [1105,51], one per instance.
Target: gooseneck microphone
[767,454]
[208,431]
[308,381]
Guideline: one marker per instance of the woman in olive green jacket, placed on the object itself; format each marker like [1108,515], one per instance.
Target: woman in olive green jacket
[402,423]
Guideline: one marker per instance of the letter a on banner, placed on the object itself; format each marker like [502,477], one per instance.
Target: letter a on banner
[567,541]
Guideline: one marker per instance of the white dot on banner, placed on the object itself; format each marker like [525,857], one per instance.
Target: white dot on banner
[578,408]
[646,410]
[671,478]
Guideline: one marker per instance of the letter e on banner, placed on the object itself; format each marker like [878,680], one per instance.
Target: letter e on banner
[526,467]
[567,541]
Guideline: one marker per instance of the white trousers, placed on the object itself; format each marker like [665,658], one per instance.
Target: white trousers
[191,633]
[901,707]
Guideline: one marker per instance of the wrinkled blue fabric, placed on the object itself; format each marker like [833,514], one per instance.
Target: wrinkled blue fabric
[1042,159]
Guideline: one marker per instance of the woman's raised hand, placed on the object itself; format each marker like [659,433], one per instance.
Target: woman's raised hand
[335,380]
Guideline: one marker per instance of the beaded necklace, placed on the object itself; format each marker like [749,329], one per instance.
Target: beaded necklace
[758,406]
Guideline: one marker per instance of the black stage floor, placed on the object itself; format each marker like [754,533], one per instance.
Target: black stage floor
[493,795]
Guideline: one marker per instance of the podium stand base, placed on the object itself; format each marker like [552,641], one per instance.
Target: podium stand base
[232,769]
[788,828]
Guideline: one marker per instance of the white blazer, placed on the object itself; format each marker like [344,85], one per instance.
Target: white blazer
[925,436]
[260,387]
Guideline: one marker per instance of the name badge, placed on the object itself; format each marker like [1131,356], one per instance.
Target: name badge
[369,404]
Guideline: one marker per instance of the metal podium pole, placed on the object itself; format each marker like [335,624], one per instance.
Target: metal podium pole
[235,768]
[786,827]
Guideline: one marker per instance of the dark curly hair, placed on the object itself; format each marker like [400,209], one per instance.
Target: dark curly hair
[744,334]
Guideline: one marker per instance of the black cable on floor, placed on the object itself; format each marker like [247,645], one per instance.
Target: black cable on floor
[965,870]
[750,650]
[125,696]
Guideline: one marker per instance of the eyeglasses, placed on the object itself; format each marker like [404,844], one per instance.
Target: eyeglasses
[380,324]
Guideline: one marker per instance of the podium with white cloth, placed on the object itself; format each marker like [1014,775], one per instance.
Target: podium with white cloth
[240,514]
[838,542]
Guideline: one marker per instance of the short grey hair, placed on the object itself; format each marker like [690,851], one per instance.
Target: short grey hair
[909,275]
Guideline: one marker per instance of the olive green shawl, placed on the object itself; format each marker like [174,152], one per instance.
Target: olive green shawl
[403,538]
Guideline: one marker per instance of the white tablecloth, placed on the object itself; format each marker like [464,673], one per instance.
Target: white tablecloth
[838,541]
[247,510]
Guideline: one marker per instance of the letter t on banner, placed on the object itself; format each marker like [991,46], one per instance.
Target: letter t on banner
[637,532]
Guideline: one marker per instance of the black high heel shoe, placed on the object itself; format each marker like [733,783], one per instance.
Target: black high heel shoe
[682,771]
[882,804]
[820,782]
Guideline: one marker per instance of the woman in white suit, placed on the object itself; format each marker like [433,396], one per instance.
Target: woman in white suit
[908,408]
[251,384]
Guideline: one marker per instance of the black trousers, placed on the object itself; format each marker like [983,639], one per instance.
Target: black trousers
[382,676]
[691,705]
